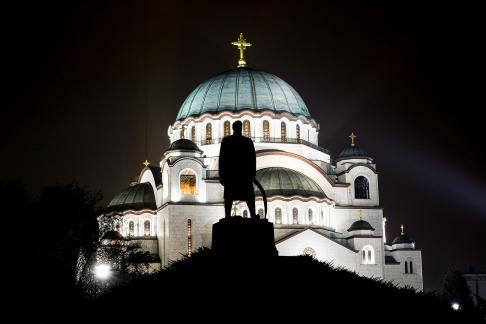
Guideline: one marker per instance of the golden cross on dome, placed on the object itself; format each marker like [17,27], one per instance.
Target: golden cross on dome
[146,163]
[402,228]
[353,139]
[234,210]
[241,44]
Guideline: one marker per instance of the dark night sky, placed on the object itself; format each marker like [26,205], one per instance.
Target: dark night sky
[409,80]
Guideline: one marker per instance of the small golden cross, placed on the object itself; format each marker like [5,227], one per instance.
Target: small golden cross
[241,44]
[402,227]
[146,163]
[353,139]
[234,210]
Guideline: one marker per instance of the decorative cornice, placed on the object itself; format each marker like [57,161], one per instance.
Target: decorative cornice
[310,163]
[247,112]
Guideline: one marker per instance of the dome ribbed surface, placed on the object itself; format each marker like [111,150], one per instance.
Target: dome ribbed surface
[139,196]
[240,89]
[287,182]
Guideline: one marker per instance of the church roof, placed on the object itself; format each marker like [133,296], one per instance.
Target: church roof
[137,197]
[403,239]
[287,182]
[353,151]
[184,145]
[361,225]
[243,88]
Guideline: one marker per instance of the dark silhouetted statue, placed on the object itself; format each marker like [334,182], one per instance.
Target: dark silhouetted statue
[237,167]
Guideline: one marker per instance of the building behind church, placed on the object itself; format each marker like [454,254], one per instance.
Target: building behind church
[321,206]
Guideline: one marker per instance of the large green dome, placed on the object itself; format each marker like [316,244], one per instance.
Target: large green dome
[243,88]
[286,182]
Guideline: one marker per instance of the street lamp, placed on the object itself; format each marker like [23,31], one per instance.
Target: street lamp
[102,271]
[455,306]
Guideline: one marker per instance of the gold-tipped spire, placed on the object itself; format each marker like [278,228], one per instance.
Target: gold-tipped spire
[146,163]
[241,44]
[234,210]
[353,139]
[402,229]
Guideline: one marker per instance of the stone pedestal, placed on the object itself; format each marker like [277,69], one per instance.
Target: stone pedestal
[244,237]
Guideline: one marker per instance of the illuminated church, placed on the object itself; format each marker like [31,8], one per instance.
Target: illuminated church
[325,207]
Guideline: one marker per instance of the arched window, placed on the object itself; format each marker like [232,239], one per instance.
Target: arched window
[183,130]
[278,216]
[188,182]
[193,134]
[266,131]
[310,217]
[260,213]
[245,213]
[406,267]
[227,128]
[368,255]
[209,133]
[361,188]
[411,266]
[246,128]
[283,131]
[146,228]
[131,228]
[297,133]
[295,215]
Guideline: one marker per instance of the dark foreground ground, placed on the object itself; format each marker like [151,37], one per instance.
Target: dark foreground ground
[205,288]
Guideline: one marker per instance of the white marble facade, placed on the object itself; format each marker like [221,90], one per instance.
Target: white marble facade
[185,186]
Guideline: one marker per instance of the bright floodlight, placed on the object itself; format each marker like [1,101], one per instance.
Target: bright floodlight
[455,306]
[102,271]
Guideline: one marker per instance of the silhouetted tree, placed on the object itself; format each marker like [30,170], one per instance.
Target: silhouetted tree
[457,290]
[63,226]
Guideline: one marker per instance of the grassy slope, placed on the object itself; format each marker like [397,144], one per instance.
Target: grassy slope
[206,287]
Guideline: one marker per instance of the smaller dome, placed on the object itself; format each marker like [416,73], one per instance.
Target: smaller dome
[184,145]
[136,197]
[286,182]
[353,151]
[361,225]
[403,239]
[113,236]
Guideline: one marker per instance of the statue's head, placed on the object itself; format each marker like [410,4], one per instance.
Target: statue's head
[237,127]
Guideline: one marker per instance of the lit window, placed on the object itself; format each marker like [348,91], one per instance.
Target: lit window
[209,133]
[283,132]
[183,128]
[361,188]
[278,216]
[246,128]
[146,228]
[131,228]
[297,133]
[295,216]
[187,184]
[260,213]
[368,255]
[266,131]
[193,134]
[226,129]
